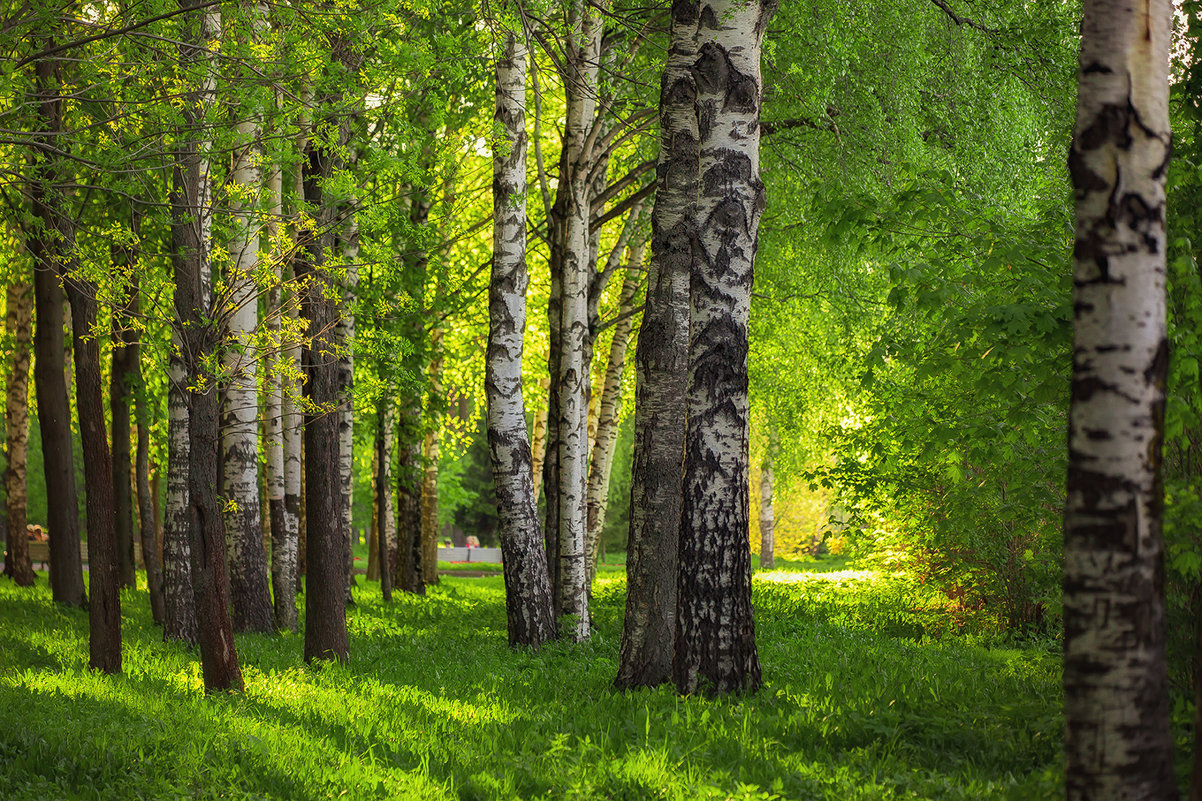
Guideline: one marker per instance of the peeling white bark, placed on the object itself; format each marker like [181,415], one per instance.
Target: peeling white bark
[240,409]
[715,632]
[527,587]
[1117,739]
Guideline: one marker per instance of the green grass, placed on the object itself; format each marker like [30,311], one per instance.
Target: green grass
[865,697]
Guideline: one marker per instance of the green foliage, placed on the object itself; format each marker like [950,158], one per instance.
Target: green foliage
[435,705]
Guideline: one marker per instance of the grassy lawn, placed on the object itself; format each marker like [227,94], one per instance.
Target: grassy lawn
[871,692]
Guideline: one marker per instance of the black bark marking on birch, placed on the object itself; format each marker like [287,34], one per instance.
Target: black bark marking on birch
[1084,179]
[1111,125]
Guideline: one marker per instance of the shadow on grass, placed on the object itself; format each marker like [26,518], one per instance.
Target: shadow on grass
[435,704]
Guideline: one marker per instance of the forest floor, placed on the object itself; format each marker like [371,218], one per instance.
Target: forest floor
[872,690]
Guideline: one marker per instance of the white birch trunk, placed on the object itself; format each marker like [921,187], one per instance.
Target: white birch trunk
[344,332]
[527,589]
[239,418]
[573,373]
[767,510]
[715,633]
[1117,740]
[609,404]
[179,593]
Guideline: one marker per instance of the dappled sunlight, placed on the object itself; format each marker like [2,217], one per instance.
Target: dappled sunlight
[836,577]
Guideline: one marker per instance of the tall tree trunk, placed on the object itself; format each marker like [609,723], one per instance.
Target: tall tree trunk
[19,325]
[147,523]
[198,336]
[49,248]
[661,363]
[430,454]
[715,632]
[283,546]
[325,598]
[610,402]
[410,576]
[767,512]
[527,587]
[573,367]
[104,611]
[344,333]
[386,522]
[178,595]
[240,407]
[120,390]
[1117,740]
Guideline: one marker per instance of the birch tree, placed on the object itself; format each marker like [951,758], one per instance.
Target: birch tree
[767,512]
[527,590]
[198,339]
[19,327]
[715,633]
[240,404]
[661,361]
[584,54]
[609,402]
[1117,741]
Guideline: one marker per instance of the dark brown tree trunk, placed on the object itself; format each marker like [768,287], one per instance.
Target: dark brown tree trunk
[104,612]
[218,656]
[120,391]
[661,365]
[199,337]
[50,257]
[325,597]
[409,572]
[1118,743]
[715,632]
[19,325]
[147,519]
[384,515]
[1195,786]
[147,526]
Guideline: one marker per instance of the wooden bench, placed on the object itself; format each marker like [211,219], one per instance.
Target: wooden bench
[39,552]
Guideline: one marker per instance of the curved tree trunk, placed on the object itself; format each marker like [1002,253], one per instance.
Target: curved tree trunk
[661,361]
[19,325]
[607,408]
[527,589]
[1117,740]
[715,633]
[50,257]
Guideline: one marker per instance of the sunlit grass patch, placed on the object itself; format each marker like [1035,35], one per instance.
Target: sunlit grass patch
[860,702]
